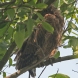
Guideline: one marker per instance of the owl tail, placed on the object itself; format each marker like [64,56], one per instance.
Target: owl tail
[32,72]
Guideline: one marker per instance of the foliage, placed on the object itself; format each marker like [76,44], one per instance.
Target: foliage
[59,75]
[17,20]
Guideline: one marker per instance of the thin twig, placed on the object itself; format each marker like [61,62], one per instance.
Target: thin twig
[75,71]
[42,71]
[56,73]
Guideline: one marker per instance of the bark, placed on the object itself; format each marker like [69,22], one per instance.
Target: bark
[7,55]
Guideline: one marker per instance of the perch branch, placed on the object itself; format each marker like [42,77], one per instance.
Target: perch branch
[7,55]
[23,70]
[60,59]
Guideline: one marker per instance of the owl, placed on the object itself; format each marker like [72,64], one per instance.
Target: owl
[41,42]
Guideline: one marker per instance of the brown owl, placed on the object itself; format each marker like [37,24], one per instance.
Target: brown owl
[41,42]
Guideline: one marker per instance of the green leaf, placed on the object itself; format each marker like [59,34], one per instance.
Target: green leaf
[30,25]
[40,16]
[9,34]
[56,3]
[3,24]
[19,37]
[10,62]
[20,26]
[25,0]
[61,2]
[3,45]
[4,74]
[3,48]
[19,2]
[69,1]
[59,75]
[57,55]
[68,14]
[35,1]
[73,26]
[22,12]
[41,5]
[74,45]
[11,14]
[2,31]
[76,52]
[10,31]
[63,7]
[2,53]
[14,64]
[32,2]
[66,7]
[73,42]
[26,34]
[48,27]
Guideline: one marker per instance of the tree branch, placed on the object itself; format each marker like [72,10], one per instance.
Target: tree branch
[7,55]
[60,59]
[19,72]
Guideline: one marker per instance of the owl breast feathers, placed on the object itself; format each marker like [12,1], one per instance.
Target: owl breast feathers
[41,42]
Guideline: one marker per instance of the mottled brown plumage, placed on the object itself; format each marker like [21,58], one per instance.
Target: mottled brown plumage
[41,42]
